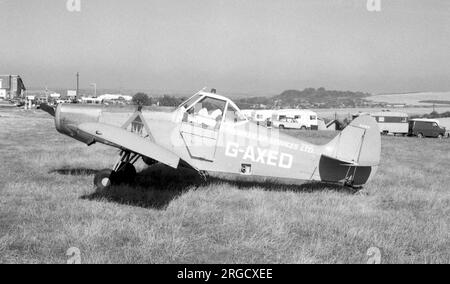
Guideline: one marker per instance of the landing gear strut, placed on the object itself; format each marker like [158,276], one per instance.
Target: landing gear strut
[123,171]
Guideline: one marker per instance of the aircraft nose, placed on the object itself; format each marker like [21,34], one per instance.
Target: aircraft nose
[68,117]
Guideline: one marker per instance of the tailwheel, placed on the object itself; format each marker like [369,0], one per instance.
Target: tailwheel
[102,179]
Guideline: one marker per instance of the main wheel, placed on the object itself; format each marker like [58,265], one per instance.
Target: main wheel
[126,174]
[303,128]
[420,135]
[440,136]
[102,179]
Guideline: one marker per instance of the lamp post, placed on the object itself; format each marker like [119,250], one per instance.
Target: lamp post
[78,85]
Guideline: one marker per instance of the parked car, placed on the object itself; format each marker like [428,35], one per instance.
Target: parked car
[426,128]
[287,123]
[307,119]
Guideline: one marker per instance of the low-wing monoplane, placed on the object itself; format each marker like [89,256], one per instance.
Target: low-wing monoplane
[209,134]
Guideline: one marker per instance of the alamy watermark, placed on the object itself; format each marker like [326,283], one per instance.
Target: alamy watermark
[374,5]
[371,5]
[73,5]
[374,255]
[74,255]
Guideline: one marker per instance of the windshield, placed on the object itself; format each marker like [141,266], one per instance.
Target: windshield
[234,115]
[189,102]
[208,106]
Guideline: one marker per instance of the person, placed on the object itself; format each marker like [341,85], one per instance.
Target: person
[209,120]
[216,114]
[203,112]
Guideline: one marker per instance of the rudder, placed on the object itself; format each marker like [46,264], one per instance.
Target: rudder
[354,155]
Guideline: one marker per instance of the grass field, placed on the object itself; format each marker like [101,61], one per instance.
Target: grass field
[48,204]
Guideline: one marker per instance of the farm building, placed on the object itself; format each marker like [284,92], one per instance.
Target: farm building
[115,98]
[107,98]
[11,86]
[91,100]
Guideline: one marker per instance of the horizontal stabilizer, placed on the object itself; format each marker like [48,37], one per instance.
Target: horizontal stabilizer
[344,162]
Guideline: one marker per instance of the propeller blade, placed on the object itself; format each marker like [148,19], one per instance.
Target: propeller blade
[48,109]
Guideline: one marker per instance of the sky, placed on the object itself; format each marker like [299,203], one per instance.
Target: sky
[253,47]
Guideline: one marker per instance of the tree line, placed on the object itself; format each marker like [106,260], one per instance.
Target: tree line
[309,97]
[165,100]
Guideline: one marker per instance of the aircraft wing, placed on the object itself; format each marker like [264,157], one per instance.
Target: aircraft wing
[121,138]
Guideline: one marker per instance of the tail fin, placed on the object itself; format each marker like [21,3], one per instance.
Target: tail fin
[359,143]
[354,155]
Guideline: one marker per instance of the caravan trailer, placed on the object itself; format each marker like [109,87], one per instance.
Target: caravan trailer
[304,119]
[390,122]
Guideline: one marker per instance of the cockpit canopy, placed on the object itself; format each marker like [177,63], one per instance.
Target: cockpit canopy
[211,109]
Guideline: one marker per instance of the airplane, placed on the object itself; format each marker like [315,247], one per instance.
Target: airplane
[209,134]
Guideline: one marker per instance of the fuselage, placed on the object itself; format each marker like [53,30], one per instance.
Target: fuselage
[231,148]
[208,133]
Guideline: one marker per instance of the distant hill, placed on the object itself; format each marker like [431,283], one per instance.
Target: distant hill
[414,99]
[307,98]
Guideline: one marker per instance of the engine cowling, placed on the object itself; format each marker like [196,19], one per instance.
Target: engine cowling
[68,117]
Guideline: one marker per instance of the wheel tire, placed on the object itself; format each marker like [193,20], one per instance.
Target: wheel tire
[102,179]
[440,136]
[126,175]
[303,128]
[420,135]
[281,126]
